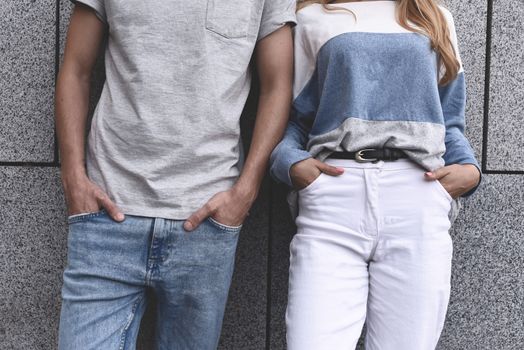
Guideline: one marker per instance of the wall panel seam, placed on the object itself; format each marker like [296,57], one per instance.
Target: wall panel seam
[487,75]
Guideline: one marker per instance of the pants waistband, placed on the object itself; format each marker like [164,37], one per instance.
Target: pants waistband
[399,164]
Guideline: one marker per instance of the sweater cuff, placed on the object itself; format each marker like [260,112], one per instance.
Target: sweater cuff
[475,163]
[281,165]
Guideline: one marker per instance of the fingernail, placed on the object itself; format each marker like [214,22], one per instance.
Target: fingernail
[120,216]
[429,173]
[188,226]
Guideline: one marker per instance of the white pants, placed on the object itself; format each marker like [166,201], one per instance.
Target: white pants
[372,245]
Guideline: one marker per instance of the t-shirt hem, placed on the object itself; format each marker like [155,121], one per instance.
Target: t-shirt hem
[172,214]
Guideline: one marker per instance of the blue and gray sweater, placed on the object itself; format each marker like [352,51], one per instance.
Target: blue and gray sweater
[370,83]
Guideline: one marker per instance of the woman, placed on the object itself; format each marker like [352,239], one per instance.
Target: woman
[376,151]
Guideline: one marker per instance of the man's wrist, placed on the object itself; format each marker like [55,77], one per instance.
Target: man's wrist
[71,174]
[247,189]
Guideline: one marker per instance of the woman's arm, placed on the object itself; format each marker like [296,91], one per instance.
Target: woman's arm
[289,151]
[290,161]
[461,175]
[84,37]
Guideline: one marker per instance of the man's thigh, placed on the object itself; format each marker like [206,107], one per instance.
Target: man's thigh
[103,295]
[193,286]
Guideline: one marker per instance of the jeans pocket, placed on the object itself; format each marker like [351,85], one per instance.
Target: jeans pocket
[224,227]
[84,216]
[229,18]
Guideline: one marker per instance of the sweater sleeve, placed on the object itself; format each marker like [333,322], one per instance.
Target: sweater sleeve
[293,147]
[289,151]
[453,101]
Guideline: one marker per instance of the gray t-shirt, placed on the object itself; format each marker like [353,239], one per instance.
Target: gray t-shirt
[165,135]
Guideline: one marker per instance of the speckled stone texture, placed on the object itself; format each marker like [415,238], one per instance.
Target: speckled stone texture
[66,9]
[27,69]
[470,23]
[33,254]
[505,139]
[245,320]
[487,304]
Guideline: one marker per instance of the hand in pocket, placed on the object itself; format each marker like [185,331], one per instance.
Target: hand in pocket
[303,173]
[83,196]
[456,179]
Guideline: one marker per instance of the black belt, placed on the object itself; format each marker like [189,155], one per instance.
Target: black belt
[370,155]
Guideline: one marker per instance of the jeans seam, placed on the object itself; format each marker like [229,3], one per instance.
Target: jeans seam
[150,261]
[123,338]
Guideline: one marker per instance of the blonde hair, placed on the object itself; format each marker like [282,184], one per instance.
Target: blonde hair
[420,16]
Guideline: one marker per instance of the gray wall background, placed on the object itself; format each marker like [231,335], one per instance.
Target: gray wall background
[487,305]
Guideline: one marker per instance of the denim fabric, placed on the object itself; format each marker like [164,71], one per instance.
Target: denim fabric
[110,265]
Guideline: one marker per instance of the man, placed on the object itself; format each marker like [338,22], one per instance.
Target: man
[164,190]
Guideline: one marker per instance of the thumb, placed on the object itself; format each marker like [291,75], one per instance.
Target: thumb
[329,169]
[111,208]
[436,174]
[197,217]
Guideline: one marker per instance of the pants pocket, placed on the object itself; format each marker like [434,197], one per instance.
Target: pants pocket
[229,18]
[444,192]
[84,216]
[224,227]
[313,184]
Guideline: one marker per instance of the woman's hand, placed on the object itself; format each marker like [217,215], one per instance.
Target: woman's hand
[305,172]
[457,179]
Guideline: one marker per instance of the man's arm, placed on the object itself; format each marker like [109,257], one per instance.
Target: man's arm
[274,57]
[84,37]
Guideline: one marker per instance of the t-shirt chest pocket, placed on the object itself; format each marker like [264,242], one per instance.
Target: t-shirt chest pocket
[229,18]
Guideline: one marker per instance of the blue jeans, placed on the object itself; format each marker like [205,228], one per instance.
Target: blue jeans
[110,265]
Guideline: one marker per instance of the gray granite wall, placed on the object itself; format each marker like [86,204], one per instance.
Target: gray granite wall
[487,306]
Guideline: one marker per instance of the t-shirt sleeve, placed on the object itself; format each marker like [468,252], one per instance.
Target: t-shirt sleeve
[275,15]
[97,5]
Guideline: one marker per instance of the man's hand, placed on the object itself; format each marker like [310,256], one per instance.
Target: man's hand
[305,172]
[83,196]
[228,207]
[84,39]
[457,179]
[274,61]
